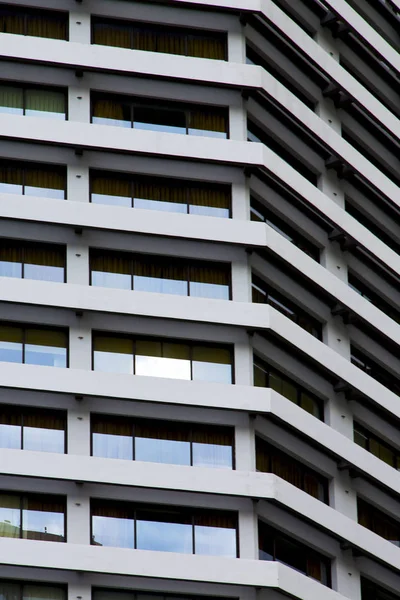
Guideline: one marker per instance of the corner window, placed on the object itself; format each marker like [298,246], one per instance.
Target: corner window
[162,442]
[33,180]
[32,261]
[160,274]
[162,358]
[168,117]
[33,346]
[153,38]
[36,22]
[376,446]
[32,429]
[32,517]
[167,195]
[48,103]
[164,529]
[377,521]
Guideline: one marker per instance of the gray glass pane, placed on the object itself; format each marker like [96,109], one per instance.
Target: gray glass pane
[153,366]
[112,122]
[174,207]
[43,592]
[43,525]
[166,537]
[207,133]
[157,284]
[44,192]
[11,100]
[112,200]
[10,352]
[44,440]
[160,128]
[44,273]
[112,446]
[10,188]
[215,541]
[112,531]
[10,436]
[120,281]
[9,591]
[212,455]
[162,451]
[45,103]
[209,211]
[10,269]
[48,356]
[10,516]
[112,362]
[209,290]
[205,371]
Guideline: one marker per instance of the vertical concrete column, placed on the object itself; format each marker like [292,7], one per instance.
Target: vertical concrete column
[79,588]
[79,99]
[241,278]
[237,43]
[241,199]
[345,574]
[248,534]
[78,516]
[78,429]
[78,180]
[78,261]
[238,120]
[80,345]
[245,451]
[79,25]
[243,360]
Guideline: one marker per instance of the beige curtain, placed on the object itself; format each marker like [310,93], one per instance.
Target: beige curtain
[46,337]
[12,21]
[111,34]
[210,197]
[45,178]
[119,345]
[208,120]
[204,46]
[212,354]
[43,24]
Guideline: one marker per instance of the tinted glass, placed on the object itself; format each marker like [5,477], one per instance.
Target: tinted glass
[9,591]
[10,429]
[45,103]
[11,179]
[113,531]
[10,516]
[159,119]
[11,100]
[42,520]
[163,535]
[113,355]
[212,364]
[45,347]
[112,111]
[112,439]
[113,191]
[44,432]
[215,541]
[10,344]
[162,359]
[43,592]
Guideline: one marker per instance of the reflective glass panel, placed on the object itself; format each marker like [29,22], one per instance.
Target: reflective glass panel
[45,103]
[42,520]
[113,531]
[215,541]
[209,290]
[164,536]
[211,364]
[171,452]
[43,592]
[11,179]
[212,455]
[113,112]
[111,280]
[45,183]
[44,273]
[10,344]
[209,211]
[113,355]
[9,591]
[165,206]
[11,100]
[113,191]
[46,348]
[44,432]
[10,435]
[113,446]
[10,516]
[159,119]
[171,368]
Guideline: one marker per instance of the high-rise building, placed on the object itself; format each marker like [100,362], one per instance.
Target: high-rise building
[199,300]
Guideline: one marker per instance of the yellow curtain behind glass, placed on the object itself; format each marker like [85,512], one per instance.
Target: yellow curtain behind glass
[216,519]
[207,120]
[211,354]
[41,178]
[46,337]
[11,175]
[314,569]
[111,263]
[45,100]
[44,592]
[111,186]
[210,434]
[217,198]
[209,274]
[47,26]
[171,42]
[145,39]
[159,430]
[113,344]
[8,333]
[109,34]
[11,97]
[44,420]
[44,255]
[206,47]
[160,191]
[12,22]
[108,426]
[10,252]
[108,109]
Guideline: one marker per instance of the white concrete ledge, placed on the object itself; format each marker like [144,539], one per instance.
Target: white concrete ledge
[160,565]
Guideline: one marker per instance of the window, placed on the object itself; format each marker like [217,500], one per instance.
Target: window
[261,293]
[37,22]
[377,521]
[169,195]
[32,261]
[258,212]
[33,180]
[371,591]
[265,376]
[153,38]
[158,274]
[376,446]
[374,370]
[33,346]
[171,529]
[162,442]
[369,295]
[32,517]
[274,545]
[32,101]
[32,429]
[14,590]
[272,460]
[113,594]
[169,117]
[162,358]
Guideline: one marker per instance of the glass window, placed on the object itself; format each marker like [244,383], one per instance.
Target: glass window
[10,429]
[10,591]
[44,263]
[162,359]
[43,519]
[113,355]
[112,438]
[45,183]
[162,443]
[113,526]
[160,195]
[165,532]
[212,364]
[11,100]
[208,124]
[371,591]
[36,22]
[11,179]
[164,277]
[46,347]
[159,119]
[111,270]
[43,432]
[111,191]
[43,592]
[215,535]
[112,111]
[45,103]
[10,516]
[11,344]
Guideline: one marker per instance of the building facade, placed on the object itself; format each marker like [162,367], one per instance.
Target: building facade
[199,300]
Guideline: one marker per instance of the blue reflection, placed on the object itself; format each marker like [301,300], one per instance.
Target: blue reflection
[162,451]
[11,352]
[10,436]
[112,122]
[121,281]
[111,200]
[174,207]
[44,192]
[44,440]
[112,362]
[43,525]
[48,356]
[112,446]
[215,372]
[209,290]
[209,211]
[208,133]
[215,541]
[10,269]
[159,128]
[46,114]
[44,273]
[212,455]
[160,285]
[10,188]
[112,531]
[165,537]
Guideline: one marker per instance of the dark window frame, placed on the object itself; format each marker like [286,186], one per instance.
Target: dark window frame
[166,181]
[190,426]
[140,26]
[181,511]
[184,263]
[189,343]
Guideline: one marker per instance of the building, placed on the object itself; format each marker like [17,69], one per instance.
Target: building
[199,300]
